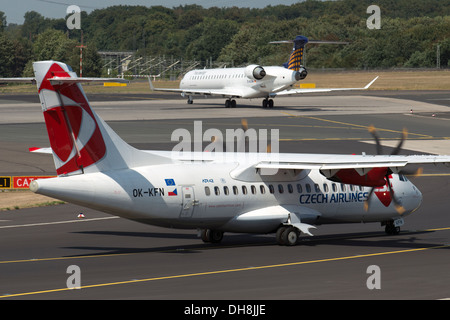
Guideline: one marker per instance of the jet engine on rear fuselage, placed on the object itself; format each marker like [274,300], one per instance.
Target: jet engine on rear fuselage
[255,72]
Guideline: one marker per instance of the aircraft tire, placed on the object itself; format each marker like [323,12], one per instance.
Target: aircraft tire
[279,234]
[390,229]
[212,236]
[265,103]
[290,236]
[205,235]
[270,103]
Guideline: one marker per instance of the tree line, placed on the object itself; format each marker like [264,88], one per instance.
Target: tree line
[411,34]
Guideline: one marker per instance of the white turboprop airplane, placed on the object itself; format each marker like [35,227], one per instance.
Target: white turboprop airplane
[214,192]
[253,81]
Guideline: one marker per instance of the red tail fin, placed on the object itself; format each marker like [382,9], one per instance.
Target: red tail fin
[74,134]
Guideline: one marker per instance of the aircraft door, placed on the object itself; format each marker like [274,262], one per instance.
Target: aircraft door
[188,202]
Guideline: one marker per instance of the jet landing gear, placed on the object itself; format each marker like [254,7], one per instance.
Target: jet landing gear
[212,236]
[230,103]
[267,103]
[391,229]
[287,235]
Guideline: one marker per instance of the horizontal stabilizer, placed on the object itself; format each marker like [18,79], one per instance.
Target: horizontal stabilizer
[18,80]
[47,150]
[69,80]
[61,80]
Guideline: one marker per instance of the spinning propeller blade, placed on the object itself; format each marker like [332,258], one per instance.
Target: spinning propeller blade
[396,151]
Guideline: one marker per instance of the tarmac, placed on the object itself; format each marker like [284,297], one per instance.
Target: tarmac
[121,259]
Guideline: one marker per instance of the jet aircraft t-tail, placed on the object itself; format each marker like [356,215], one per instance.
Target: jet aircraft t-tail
[253,81]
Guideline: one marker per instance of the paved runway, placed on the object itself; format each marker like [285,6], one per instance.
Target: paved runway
[120,259]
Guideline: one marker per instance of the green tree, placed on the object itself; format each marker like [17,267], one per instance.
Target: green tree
[211,36]
[6,56]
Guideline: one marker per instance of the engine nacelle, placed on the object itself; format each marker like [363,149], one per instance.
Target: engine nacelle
[374,178]
[301,74]
[255,72]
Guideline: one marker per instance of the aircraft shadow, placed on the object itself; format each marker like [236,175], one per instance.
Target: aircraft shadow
[215,106]
[405,240]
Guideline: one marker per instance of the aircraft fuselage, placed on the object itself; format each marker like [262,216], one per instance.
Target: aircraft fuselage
[235,80]
[200,195]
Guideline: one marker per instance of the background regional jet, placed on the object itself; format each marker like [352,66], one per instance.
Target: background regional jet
[285,194]
[253,81]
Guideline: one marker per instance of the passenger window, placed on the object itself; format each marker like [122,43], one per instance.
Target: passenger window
[325,187]
[225,190]
[253,188]
[316,187]
[244,189]
[308,188]
[334,187]
[207,191]
[299,188]
[217,191]
[280,188]
[262,189]
[342,187]
[271,189]
[235,190]
[290,188]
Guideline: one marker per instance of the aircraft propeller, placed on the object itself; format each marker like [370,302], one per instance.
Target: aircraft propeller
[400,209]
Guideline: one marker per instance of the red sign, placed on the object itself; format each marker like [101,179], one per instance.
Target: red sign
[24,182]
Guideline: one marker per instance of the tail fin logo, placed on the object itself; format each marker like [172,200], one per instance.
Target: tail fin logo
[295,61]
[74,134]
[383,194]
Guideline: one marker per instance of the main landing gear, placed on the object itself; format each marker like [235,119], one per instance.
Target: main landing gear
[211,236]
[391,228]
[267,103]
[287,235]
[230,103]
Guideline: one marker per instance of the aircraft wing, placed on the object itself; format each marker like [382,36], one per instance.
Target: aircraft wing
[205,92]
[330,164]
[317,90]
